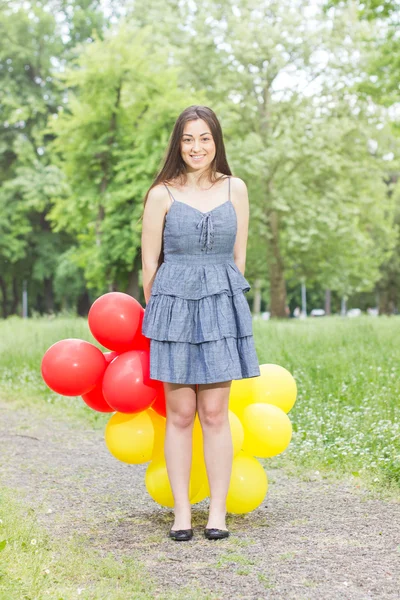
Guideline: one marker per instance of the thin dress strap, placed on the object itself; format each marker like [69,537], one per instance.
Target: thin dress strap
[169,192]
[229,178]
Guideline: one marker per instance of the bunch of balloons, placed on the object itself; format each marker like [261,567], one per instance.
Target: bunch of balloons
[119,382]
[260,405]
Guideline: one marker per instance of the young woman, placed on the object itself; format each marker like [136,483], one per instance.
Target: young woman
[194,238]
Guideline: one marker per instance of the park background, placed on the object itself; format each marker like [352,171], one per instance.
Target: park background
[308,98]
[309,102]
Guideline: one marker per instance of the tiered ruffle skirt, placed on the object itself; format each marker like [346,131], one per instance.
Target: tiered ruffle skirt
[200,325]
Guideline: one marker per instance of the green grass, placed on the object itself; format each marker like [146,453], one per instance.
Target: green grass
[34,566]
[345,421]
[22,346]
[346,418]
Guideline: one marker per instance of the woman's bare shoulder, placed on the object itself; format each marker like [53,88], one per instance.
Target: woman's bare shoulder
[238,186]
[238,183]
[157,198]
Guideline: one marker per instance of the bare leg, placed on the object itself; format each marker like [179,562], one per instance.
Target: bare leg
[212,406]
[181,411]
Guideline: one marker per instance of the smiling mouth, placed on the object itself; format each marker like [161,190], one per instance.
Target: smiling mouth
[197,155]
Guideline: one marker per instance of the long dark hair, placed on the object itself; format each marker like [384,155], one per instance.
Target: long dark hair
[174,167]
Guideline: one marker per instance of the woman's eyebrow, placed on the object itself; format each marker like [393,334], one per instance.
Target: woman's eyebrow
[190,135]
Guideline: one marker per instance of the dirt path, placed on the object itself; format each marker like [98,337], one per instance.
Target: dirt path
[309,539]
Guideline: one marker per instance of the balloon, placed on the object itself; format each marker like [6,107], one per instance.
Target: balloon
[109,356]
[159,424]
[199,471]
[159,487]
[202,494]
[248,485]
[241,394]
[198,478]
[159,403]
[197,442]
[141,342]
[95,399]
[73,367]
[127,386]
[130,438]
[267,430]
[114,320]
[198,474]
[157,483]
[275,386]
[237,432]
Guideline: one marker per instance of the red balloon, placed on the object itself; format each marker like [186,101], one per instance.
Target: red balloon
[159,404]
[73,367]
[141,342]
[114,319]
[109,356]
[127,386]
[95,399]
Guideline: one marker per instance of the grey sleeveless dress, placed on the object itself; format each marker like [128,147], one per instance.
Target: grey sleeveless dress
[197,317]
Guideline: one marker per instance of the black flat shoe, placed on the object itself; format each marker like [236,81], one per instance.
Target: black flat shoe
[181,535]
[216,534]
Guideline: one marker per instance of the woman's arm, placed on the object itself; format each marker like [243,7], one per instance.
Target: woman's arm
[152,232]
[240,200]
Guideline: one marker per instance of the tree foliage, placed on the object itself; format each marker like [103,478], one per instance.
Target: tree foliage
[304,96]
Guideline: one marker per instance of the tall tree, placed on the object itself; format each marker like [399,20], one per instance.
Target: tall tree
[303,148]
[123,101]
[35,38]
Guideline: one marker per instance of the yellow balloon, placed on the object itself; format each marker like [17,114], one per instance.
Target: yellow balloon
[130,437]
[267,430]
[202,494]
[159,487]
[275,386]
[157,483]
[199,480]
[241,394]
[237,432]
[197,441]
[248,484]
[159,424]
[198,476]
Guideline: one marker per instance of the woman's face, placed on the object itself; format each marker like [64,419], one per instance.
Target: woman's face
[197,141]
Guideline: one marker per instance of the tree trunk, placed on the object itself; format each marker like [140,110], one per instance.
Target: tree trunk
[15,296]
[386,304]
[257,297]
[327,302]
[83,304]
[276,270]
[106,166]
[387,297]
[3,287]
[48,295]
[133,288]
[343,309]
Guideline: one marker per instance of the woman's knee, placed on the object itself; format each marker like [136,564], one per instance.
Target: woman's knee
[181,417]
[181,405]
[213,416]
